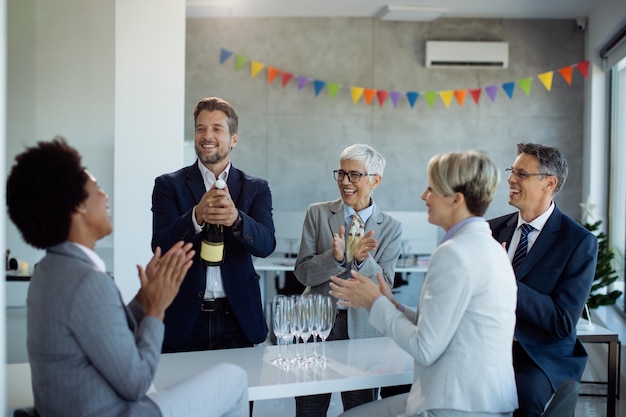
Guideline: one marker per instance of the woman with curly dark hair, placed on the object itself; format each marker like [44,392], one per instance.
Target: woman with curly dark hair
[89,354]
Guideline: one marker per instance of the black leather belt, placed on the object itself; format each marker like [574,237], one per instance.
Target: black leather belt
[215,304]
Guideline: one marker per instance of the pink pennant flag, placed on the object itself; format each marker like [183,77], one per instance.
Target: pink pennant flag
[382,96]
[583,67]
[285,77]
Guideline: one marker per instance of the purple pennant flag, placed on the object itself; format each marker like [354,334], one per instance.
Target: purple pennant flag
[302,81]
[395,97]
[224,55]
[491,91]
[508,88]
[319,86]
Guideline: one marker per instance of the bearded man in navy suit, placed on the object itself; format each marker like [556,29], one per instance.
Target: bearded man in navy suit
[216,307]
[554,275]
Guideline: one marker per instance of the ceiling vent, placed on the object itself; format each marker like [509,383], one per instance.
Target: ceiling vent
[445,54]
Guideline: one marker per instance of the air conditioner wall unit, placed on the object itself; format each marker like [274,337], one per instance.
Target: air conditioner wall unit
[462,54]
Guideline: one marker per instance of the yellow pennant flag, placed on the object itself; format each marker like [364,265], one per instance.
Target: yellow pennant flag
[255,68]
[546,79]
[357,92]
[446,96]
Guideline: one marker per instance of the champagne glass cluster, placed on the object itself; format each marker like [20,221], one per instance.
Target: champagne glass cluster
[301,317]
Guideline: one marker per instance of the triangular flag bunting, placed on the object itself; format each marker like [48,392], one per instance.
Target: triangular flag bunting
[224,55]
[430,97]
[583,67]
[566,73]
[382,96]
[412,97]
[255,67]
[546,79]
[271,74]
[525,84]
[491,91]
[319,86]
[475,93]
[357,92]
[395,97]
[508,88]
[240,60]
[333,88]
[302,81]
[369,95]
[460,96]
[285,77]
[446,96]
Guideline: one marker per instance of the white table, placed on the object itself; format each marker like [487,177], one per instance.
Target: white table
[354,364]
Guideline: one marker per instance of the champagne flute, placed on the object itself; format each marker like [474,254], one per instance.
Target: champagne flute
[304,315]
[296,305]
[326,324]
[316,317]
[279,316]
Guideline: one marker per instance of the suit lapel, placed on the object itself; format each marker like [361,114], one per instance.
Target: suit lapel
[543,243]
[335,220]
[234,183]
[195,181]
[506,232]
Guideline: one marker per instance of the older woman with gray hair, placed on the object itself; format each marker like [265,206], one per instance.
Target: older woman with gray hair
[463,330]
[350,233]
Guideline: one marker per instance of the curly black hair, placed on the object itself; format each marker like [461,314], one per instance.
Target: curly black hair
[45,186]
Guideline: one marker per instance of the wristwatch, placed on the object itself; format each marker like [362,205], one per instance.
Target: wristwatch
[238,225]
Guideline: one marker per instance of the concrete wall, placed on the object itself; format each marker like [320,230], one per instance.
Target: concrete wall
[293,138]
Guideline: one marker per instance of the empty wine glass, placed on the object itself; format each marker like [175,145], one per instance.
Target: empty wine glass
[327,320]
[280,324]
[304,316]
[315,324]
[296,329]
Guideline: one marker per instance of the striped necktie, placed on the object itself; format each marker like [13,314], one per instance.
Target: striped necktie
[522,247]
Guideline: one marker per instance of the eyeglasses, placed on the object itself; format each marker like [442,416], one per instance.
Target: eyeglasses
[353,176]
[523,175]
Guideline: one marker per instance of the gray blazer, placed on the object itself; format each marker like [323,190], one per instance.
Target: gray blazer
[89,354]
[315,264]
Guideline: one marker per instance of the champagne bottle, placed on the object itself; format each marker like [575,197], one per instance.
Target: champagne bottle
[212,248]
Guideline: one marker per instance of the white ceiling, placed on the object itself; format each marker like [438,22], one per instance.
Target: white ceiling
[511,9]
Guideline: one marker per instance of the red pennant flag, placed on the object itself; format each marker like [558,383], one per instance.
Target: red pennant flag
[382,96]
[475,93]
[583,67]
[369,94]
[286,76]
[271,74]
[566,73]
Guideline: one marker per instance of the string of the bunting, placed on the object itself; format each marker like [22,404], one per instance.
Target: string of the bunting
[368,94]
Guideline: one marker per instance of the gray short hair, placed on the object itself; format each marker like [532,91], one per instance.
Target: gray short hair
[471,173]
[551,161]
[372,159]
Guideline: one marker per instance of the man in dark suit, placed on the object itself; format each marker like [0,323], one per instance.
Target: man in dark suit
[554,268]
[217,306]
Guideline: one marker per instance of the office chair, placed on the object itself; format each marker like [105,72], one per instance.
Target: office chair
[563,402]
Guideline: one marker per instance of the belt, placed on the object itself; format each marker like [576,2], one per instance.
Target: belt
[215,304]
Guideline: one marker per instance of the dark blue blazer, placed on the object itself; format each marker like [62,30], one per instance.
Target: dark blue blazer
[553,285]
[173,198]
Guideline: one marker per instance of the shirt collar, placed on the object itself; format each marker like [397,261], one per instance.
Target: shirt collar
[540,221]
[98,262]
[209,178]
[454,229]
[363,214]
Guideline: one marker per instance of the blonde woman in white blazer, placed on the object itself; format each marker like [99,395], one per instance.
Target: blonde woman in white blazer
[461,336]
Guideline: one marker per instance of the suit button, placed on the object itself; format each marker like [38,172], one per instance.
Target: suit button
[200,295]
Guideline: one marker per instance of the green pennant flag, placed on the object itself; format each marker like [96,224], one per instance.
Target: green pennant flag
[430,96]
[240,60]
[525,84]
[333,88]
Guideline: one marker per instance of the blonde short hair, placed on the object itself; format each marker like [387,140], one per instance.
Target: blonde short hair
[471,173]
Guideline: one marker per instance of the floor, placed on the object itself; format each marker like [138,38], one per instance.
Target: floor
[588,406]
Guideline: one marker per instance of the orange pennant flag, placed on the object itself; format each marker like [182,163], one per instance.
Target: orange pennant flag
[460,96]
[566,73]
[271,74]
[382,96]
[286,76]
[357,92]
[369,95]
[446,96]
[255,67]
[583,67]
[546,79]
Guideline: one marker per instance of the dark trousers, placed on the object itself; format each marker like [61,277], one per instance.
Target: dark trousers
[317,405]
[213,330]
[533,386]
